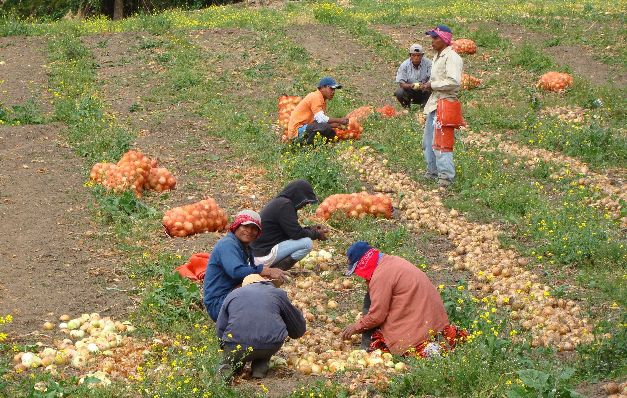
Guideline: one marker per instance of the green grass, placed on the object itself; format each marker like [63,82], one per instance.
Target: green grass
[539,212]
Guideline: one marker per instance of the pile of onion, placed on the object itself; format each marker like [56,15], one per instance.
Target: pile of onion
[464,46]
[203,216]
[356,205]
[469,82]
[387,111]
[352,132]
[134,171]
[555,81]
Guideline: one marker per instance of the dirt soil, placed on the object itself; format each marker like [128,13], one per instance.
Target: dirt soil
[23,71]
[49,248]
[360,70]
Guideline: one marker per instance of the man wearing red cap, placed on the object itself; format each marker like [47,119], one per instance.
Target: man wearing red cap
[232,260]
[403,310]
[444,84]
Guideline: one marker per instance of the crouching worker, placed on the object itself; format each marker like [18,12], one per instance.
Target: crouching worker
[309,117]
[253,323]
[231,261]
[284,241]
[403,311]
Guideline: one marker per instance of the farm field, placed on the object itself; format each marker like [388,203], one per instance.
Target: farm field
[527,247]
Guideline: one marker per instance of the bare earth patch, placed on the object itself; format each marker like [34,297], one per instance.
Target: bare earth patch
[48,247]
[23,71]
[581,60]
[358,68]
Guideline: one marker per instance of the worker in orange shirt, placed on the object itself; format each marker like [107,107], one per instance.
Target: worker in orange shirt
[309,118]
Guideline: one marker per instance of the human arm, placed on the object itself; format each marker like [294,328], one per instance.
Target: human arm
[288,221]
[293,318]
[233,261]
[223,319]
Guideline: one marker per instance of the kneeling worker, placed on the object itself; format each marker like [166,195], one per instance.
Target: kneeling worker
[253,323]
[413,71]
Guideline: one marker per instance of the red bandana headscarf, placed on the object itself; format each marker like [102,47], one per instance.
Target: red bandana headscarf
[243,218]
[447,37]
[367,264]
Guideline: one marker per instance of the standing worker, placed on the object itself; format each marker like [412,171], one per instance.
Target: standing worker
[413,72]
[444,84]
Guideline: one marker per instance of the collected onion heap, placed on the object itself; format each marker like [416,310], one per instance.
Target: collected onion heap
[203,216]
[321,259]
[464,46]
[134,171]
[469,82]
[555,81]
[92,342]
[356,205]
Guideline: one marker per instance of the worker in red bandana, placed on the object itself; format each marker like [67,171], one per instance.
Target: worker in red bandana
[403,311]
[443,110]
[232,260]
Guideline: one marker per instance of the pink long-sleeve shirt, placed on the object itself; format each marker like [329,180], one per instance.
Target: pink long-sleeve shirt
[405,305]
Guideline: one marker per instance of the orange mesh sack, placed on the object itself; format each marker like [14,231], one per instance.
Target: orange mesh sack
[469,82]
[464,46]
[287,103]
[387,111]
[555,81]
[352,132]
[356,205]
[361,113]
[134,171]
[203,216]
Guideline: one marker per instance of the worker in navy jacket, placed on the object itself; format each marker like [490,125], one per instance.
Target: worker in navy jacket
[231,261]
[253,323]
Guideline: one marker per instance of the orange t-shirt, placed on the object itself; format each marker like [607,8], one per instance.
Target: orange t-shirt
[305,111]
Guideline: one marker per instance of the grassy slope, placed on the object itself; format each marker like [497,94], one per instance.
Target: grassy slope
[506,203]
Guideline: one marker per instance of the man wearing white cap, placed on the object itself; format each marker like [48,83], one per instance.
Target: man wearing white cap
[254,322]
[413,71]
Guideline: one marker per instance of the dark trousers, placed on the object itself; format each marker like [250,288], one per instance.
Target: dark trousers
[234,359]
[314,128]
[366,336]
[408,97]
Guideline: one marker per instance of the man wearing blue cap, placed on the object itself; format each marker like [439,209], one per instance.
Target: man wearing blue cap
[309,118]
[444,84]
[402,309]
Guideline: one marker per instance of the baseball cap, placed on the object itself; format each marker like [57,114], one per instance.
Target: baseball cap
[416,48]
[442,28]
[354,254]
[329,81]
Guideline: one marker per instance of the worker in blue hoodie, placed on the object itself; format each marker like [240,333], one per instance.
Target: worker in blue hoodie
[231,261]
[253,323]
[285,241]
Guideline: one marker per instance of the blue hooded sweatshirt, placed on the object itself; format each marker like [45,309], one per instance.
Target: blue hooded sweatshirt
[230,262]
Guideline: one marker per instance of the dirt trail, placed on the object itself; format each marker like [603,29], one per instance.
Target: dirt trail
[48,247]
[51,260]
[23,71]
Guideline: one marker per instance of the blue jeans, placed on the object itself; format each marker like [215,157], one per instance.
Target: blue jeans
[296,248]
[438,163]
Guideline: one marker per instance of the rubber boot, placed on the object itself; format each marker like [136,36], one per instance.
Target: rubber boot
[284,264]
[260,368]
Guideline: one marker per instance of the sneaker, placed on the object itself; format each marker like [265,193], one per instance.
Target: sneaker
[444,183]
[430,176]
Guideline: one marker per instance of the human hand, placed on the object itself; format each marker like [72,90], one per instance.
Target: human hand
[345,121]
[426,86]
[349,331]
[273,273]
